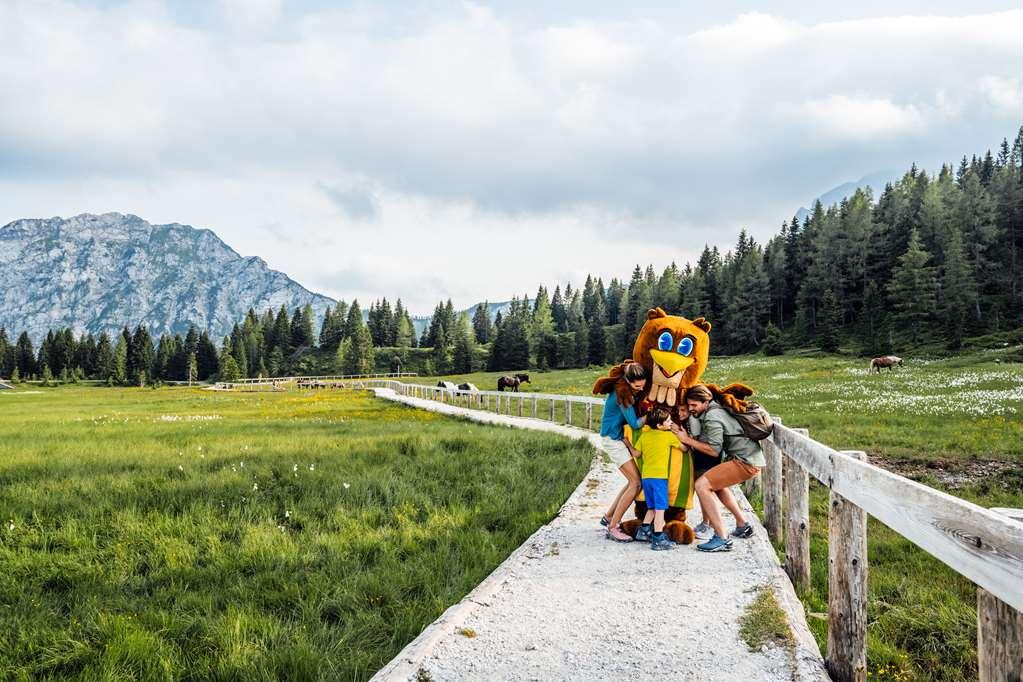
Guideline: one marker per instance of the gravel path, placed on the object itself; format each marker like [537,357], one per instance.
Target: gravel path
[571,605]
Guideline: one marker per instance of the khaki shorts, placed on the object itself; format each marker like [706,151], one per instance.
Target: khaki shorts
[729,473]
[616,450]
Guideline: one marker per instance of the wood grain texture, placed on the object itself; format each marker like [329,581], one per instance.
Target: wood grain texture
[847,587]
[977,543]
[999,639]
[796,485]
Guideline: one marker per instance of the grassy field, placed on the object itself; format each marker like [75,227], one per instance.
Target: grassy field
[956,408]
[954,424]
[184,534]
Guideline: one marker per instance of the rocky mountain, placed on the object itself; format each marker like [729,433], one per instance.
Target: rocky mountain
[101,272]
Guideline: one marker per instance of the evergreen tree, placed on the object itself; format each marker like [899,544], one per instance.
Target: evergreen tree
[640,299]
[597,346]
[912,290]
[483,328]
[957,287]
[774,344]
[873,327]
[359,359]
[229,370]
[206,355]
[828,322]
[441,351]
[120,366]
[559,311]
[462,360]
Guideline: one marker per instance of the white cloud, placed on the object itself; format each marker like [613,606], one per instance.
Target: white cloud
[466,137]
[841,116]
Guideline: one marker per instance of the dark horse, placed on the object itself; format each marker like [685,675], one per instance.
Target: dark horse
[512,382]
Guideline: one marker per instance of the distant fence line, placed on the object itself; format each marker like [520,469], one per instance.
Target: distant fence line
[985,546]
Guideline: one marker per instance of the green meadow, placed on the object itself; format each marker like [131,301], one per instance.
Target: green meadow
[178,533]
[952,423]
[186,534]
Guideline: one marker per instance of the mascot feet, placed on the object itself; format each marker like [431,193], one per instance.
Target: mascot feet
[680,532]
[630,527]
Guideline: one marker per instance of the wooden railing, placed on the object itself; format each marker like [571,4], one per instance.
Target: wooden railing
[279,381]
[985,546]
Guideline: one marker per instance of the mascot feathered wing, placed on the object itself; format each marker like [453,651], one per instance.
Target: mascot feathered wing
[674,351]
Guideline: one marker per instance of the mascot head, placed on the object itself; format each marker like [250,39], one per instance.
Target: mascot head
[674,352]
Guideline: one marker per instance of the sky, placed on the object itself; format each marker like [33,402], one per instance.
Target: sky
[473,151]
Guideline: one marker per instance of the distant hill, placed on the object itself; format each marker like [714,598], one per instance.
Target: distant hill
[101,272]
[876,181]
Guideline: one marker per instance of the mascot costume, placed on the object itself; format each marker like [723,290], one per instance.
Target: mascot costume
[674,353]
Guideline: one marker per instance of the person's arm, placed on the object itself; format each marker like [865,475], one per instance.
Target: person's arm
[633,420]
[710,442]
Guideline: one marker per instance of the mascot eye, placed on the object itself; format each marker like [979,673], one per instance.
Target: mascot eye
[685,346]
[665,341]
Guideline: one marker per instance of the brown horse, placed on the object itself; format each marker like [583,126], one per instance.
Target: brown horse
[884,362]
[512,382]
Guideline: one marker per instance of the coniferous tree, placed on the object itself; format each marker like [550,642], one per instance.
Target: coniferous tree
[462,356]
[483,328]
[120,366]
[774,344]
[912,291]
[957,287]
[828,322]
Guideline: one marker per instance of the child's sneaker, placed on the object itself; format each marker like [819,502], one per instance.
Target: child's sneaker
[604,521]
[716,544]
[617,535]
[742,531]
[644,532]
[661,541]
[703,531]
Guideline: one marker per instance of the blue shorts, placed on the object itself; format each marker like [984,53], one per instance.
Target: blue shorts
[656,492]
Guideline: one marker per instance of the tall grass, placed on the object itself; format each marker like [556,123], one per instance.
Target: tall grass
[181,534]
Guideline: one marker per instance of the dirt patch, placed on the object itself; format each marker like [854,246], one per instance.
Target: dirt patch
[953,474]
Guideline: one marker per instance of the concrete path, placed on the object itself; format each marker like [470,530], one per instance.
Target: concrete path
[571,605]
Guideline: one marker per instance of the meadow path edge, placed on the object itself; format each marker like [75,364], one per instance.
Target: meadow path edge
[568,604]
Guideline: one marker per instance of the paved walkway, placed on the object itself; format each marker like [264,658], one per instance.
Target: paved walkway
[571,605]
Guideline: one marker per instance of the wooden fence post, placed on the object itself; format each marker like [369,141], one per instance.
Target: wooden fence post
[797,521]
[520,406]
[552,409]
[847,587]
[534,408]
[999,631]
[589,416]
[568,411]
[772,479]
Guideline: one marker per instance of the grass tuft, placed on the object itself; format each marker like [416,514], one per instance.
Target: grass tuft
[764,622]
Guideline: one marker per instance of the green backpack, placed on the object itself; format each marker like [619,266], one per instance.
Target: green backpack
[755,422]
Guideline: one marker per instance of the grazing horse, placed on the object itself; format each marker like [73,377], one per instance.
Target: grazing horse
[884,362]
[512,382]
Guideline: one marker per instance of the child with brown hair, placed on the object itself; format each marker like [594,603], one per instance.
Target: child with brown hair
[655,447]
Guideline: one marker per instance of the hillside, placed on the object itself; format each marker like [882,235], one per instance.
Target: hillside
[102,272]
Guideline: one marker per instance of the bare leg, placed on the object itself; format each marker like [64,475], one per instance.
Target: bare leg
[709,506]
[627,494]
[659,521]
[649,517]
[728,499]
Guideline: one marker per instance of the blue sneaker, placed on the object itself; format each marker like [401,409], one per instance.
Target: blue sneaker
[644,532]
[661,541]
[742,531]
[716,544]
[604,522]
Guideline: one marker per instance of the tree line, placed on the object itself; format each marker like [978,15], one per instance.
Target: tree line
[934,258]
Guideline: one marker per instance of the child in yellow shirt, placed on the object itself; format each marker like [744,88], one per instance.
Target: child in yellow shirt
[655,447]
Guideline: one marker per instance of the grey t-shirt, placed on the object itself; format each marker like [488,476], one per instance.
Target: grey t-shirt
[722,432]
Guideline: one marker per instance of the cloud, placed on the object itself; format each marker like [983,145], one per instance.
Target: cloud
[841,116]
[645,139]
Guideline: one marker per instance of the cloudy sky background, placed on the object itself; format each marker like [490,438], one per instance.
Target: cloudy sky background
[471,150]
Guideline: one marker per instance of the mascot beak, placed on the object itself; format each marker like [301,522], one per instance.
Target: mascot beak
[670,363]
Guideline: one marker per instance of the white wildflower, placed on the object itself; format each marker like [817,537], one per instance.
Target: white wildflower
[347,486]
[255,486]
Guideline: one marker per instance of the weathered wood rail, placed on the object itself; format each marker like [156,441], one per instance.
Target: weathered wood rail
[985,546]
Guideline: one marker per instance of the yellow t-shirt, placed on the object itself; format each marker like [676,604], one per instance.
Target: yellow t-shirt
[655,446]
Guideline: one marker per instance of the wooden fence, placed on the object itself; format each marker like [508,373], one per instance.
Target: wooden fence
[983,545]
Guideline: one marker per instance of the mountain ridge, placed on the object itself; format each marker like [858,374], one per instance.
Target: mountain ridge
[101,272]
